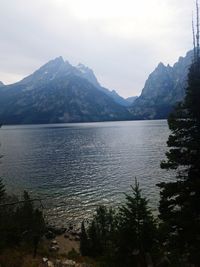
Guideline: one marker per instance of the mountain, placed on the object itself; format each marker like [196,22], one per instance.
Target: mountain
[58,92]
[1,84]
[131,99]
[117,98]
[88,74]
[164,87]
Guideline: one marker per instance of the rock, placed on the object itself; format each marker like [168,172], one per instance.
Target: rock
[56,230]
[54,242]
[50,264]
[73,233]
[71,227]
[66,236]
[44,260]
[78,233]
[50,235]
[58,263]
[59,231]
[69,263]
[54,248]
[57,247]
[83,265]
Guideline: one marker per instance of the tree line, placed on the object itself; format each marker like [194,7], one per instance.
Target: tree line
[21,223]
[121,237]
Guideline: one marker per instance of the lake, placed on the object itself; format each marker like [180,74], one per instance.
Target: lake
[76,167]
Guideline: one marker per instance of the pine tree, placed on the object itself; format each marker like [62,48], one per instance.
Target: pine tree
[95,248]
[30,223]
[84,241]
[137,230]
[101,232]
[2,190]
[38,230]
[179,204]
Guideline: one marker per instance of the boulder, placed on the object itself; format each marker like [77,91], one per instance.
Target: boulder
[56,230]
[50,235]
[54,248]
[66,236]
[50,264]
[73,233]
[59,231]
[69,263]
[44,260]
[58,263]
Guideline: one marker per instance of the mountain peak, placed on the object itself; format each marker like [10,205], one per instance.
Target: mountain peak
[81,65]
[67,63]
[161,65]
[59,92]
[45,73]
[1,84]
[82,68]
[88,74]
[56,61]
[164,87]
[60,70]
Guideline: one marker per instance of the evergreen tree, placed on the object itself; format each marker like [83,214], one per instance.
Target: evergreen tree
[95,248]
[137,230]
[179,204]
[84,242]
[2,213]
[38,229]
[2,190]
[31,223]
[101,232]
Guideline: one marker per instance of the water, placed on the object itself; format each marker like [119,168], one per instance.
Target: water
[76,167]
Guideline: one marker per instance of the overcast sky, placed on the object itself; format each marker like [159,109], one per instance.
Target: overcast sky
[121,40]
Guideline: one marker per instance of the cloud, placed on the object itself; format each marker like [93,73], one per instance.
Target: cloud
[121,40]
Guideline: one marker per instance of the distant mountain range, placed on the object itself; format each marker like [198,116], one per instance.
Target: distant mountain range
[60,92]
[164,87]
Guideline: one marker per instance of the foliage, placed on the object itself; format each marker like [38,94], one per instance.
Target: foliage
[122,237]
[21,223]
[84,242]
[179,204]
[100,233]
[137,229]
[73,255]
[2,190]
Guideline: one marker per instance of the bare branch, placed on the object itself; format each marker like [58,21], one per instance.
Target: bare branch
[21,201]
[194,40]
[197,35]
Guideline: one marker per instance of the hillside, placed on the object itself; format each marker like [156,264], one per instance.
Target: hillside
[164,87]
[59,92]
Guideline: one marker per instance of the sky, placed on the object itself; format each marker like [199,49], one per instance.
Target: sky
[121,40]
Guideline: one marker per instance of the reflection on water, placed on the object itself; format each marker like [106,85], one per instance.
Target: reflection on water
[76,167]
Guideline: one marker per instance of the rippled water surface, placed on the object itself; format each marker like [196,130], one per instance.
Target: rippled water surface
[75,167]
